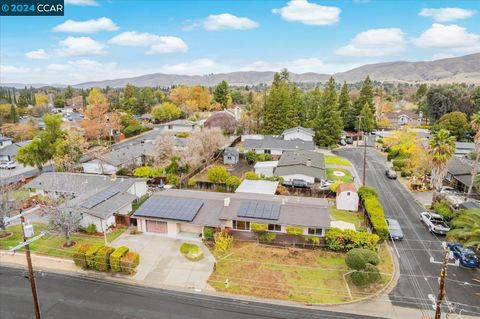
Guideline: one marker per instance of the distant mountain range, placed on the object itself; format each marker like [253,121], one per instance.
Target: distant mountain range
[460,69]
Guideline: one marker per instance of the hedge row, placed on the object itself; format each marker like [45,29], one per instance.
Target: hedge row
[344,240]
[105,258]
[374,210]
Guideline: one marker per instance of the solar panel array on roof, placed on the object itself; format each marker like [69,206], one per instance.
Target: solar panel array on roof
[170,208]
[260,210]
[99,198]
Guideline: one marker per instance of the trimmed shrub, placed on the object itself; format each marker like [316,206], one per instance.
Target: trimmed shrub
[208,232]
[102,258]
[218,174]
[250,157]
[335,185]
[122,171]
[79,255]
[266,236]
[116,258]
[358,258]
[252,176]
[90,256]
[399,164]
[129,262]
[367,276]
[192,182]
[442,209]
[294,230]
[314,240]
[173,179]
[374,210]
[233,181]
[91,229]
[345,240]
[367,191]
[191,251]
[183,134]
[258,227]
[223,242]
[405,173]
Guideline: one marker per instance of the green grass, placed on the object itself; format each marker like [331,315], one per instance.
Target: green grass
[19,194]
[139,203]
[349,217]
[191,251]
[347,178]
[52,244]
[336,160]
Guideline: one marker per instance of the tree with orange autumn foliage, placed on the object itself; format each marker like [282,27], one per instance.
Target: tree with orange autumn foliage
[99,123]
[191,98]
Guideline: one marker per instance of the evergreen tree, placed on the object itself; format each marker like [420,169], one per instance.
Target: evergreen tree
[69,92]
[312,102]
[23,98]
[328,125]
[14,97]
[367,121]
[221,93]
[346,108]
[365,97]
[13,114]
[277,110]
[299,116]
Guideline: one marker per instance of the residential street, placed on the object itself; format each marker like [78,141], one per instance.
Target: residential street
[418,282]
[74,297]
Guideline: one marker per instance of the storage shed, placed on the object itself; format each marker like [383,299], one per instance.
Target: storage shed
[347,197]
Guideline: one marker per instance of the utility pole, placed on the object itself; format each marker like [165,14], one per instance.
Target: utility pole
[441,292]
[364,158]
[358,132]
[31,275]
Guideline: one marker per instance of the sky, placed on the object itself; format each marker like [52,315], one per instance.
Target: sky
[108,39]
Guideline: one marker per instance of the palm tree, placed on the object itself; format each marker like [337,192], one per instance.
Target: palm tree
[467,227]
[475,122]
[441,150]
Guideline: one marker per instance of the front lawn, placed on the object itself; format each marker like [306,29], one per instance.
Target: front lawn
[303,275]
[336,160]
[347,177]
[52,244]
[346,216]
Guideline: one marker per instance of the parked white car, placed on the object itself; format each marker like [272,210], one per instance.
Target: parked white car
[8,165]
[435,223]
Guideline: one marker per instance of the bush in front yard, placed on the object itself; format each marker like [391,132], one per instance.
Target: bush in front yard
[314,240]
[91,229]
[129,262]
[116,257]
[258,227]
[233,182]
[358,258]
[208,232]
[79,255]
[345,240]
[191,251]
[294,230]
[367,191]
[267,237]
[442,209]
[374,210]
[366,276]
[90,256]
[218,174]
[102,258]
[223,242]
[251,176]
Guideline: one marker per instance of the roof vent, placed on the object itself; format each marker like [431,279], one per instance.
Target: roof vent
[226,201]
[309,162]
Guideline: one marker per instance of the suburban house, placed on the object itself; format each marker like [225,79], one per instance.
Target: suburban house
[10,151]
[248,186]
[265,168]
[129,156]
[5,141]
[463,149]
[230,156]
[404,117]
[226,120]
[297,138]
[303,165]
[180,126]
[459,173]
[99,200]
[347,197]
[185,213]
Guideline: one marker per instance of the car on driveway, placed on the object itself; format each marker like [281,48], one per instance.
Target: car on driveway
[8,165]
[466,256]
[390,173]
[349,140]
[394,229]
[447,190]
[435,223]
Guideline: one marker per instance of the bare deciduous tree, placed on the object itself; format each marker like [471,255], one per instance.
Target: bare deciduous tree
[201,146]
[164,146]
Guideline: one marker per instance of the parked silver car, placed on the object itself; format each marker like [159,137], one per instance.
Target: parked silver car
[8,165]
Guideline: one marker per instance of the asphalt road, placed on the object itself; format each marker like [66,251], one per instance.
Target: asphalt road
[419,278]
[74,297]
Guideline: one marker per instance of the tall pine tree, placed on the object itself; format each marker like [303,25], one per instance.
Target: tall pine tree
[221,93]
[277,113]
[328,124]
[13,114]
[298,106]
[365,97]
[367,119]
[346,108]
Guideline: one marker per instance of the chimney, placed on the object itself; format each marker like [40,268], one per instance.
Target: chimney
[309,162]
[236,111]
[114,177]
[226,201]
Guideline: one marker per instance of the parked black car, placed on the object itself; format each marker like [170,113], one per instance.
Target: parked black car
[394,229]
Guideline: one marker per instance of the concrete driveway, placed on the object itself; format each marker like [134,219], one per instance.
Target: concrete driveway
[162,264]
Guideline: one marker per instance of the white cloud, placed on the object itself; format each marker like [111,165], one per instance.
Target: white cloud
[80,46]
[447,14]
[157,44]
[438,56]
[82,2]
[447,36]
[199,66]
[37,54]
[302,65]
[89,26]
[224,21]
[12,69]
[308,13]
[374,43]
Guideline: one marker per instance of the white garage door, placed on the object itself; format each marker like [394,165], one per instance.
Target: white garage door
[154,226]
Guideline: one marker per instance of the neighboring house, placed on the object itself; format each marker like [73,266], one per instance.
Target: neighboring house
[265,168]
[347,197]
[129,157]
[304,165]
[400,118]
[9,152]
[459,173]
[257,187]
[180,126]
[230,156]
[99,200]
[297,138]
[225,120]
[173,212]
[5,141]
[463,149]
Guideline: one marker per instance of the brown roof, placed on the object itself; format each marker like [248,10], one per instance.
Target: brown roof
[346,187]
[396,114]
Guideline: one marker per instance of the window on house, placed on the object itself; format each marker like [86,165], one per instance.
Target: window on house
[241,225]
[267,152]
[315,231]
[274,227]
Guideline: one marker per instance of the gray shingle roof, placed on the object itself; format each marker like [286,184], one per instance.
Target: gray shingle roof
[296,163]
[457,166]
[299,129]
[128,153]
[277,143]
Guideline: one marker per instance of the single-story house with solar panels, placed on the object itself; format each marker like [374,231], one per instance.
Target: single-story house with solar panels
[100,200]
[172,212]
